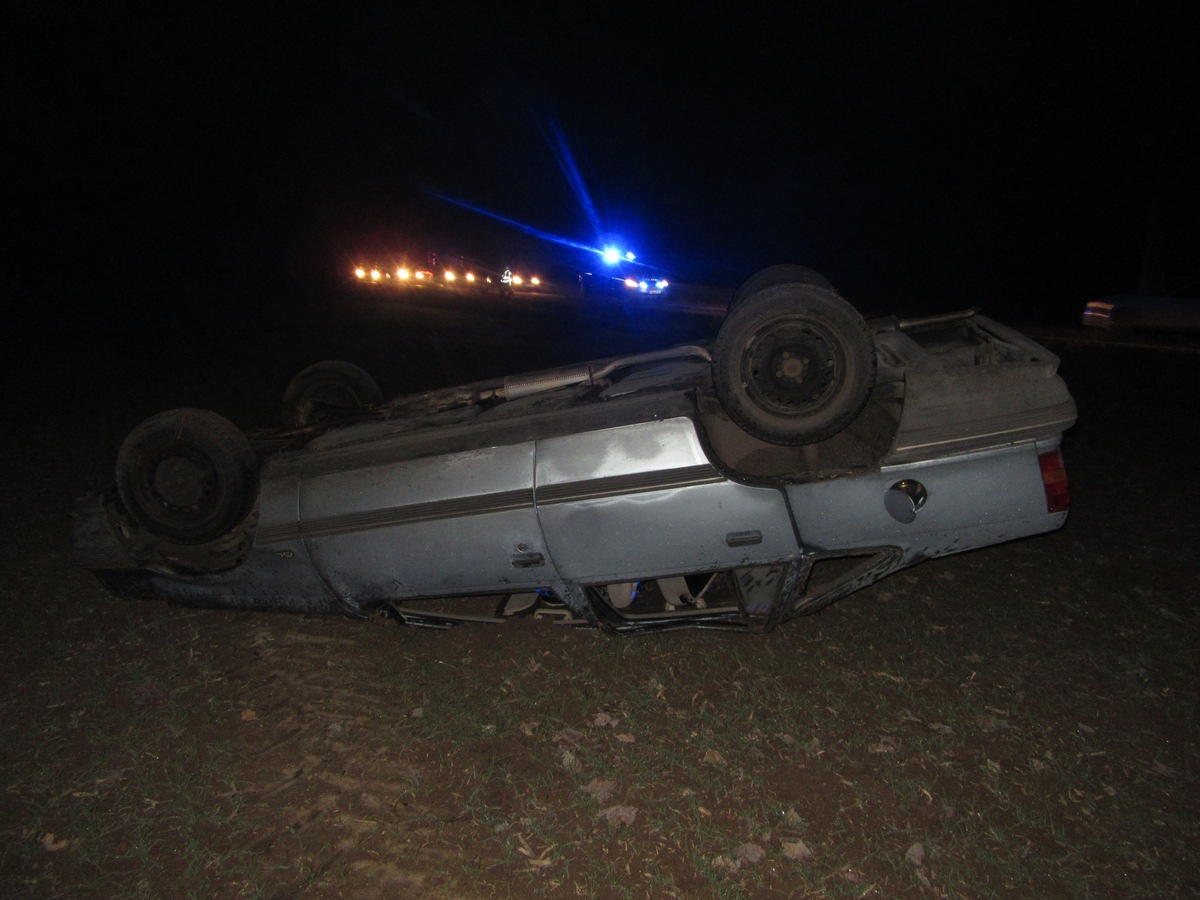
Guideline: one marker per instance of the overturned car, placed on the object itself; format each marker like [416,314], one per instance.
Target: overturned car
[803,454]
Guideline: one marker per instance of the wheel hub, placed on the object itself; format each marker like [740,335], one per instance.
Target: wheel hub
[180,482]
[790,368]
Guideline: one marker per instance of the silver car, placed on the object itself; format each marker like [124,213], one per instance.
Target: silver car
[803,454]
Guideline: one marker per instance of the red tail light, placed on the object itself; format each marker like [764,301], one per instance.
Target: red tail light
[1054,480]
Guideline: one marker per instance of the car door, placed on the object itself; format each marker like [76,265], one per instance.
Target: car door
[643,500]
[446,524]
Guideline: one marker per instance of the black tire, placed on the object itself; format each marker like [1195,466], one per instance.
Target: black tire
[793,364]
[775,275]
[187,475]
[328,390]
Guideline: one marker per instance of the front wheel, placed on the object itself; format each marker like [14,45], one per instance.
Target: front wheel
[793,363]
[187,475]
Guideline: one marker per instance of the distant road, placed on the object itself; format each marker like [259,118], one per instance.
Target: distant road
[1079,336]
[700,299]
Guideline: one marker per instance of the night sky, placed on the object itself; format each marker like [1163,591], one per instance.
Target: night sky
[919,154]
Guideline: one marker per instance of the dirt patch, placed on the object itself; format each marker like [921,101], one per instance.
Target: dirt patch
[1015,721]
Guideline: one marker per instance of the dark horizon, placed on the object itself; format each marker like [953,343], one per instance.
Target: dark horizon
[920,156]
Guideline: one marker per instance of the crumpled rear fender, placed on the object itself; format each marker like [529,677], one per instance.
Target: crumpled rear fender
[277,578]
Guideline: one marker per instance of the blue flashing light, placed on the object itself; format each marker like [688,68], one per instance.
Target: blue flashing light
[528,229]
[611,255]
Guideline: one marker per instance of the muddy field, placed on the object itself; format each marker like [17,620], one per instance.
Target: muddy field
[1018,721]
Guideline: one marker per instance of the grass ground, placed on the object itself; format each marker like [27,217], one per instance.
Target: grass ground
[1018,721]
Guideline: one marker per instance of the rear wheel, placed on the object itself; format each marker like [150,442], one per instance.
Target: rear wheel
[793,363]
[187,475]
[771,276]
[328,390]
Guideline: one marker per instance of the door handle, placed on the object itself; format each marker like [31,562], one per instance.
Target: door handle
[530,560]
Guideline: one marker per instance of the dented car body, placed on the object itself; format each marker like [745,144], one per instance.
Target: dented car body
[622,494]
